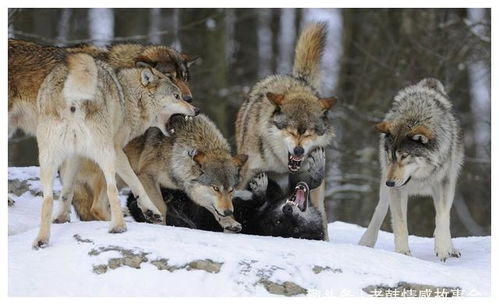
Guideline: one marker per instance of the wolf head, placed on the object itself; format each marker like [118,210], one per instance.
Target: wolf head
[166,95]
[292,216]
[173,64]
[300,122]
[405,149]
[217,176]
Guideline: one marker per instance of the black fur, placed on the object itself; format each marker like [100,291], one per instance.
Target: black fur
[261,215]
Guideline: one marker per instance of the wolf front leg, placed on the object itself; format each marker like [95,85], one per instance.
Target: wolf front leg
[317,197]
[443,197]
[49,162]
[398,209]
[371,235]
[68,174]
[151,213]
[153,189]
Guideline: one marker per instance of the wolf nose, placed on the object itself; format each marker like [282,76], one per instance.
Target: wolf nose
[287,209]
[390,183]
[298,150]
[187,98]
[228,213]
[196,111]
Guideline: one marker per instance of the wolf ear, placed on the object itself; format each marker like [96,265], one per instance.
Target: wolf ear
[148,78]
[327,103]
[198,156]
[433,83]
[143,62]
[190,60]
[383,127]
[240,160]
[276,99]
[421,134]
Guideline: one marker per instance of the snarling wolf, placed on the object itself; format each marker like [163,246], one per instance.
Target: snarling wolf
[421,153]
[265,211]
[195,158]
[284,119]
[30,63]
[87,109]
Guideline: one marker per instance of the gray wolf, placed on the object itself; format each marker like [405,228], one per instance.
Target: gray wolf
[195,159]
[421,153]
[86,109]
[30,63]
[284,118]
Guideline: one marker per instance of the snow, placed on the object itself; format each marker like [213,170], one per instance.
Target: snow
[65,268]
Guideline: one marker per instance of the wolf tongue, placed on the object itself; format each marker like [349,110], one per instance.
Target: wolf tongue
[300,198]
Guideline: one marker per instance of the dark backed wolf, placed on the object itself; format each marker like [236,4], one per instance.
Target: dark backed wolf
[266,210]
[284,118]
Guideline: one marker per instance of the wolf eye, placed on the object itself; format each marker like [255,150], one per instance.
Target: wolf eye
[230,190]
[403,156]
[177,96]
[215,188]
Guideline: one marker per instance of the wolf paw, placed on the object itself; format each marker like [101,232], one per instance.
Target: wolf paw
[40,243]
[234,228]
[62,219]
[258,184]
[405,252]
[229,224]
[444,254]
[120,228]
[153,217]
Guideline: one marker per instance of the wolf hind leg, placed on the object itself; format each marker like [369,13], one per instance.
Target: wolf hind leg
[370,237]
[68,175]
[106,161]
[443,197]
[49,162]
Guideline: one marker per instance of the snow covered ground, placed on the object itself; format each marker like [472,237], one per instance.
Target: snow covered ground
[152,260]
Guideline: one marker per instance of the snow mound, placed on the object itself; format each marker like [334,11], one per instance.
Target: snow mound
[152,260]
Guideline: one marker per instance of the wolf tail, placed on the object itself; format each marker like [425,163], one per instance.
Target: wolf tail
[81,82]
[308,53]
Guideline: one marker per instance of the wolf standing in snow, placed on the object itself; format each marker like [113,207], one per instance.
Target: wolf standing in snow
[421,153]
[195,159]
[86,109]
[29,65]
[284,119]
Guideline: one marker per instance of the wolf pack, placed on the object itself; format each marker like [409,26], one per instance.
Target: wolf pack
[120,116]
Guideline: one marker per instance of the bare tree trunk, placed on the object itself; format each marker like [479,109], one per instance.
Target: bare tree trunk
[101,25]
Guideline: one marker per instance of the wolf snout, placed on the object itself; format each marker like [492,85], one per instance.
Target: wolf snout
[390,183]
[228,213]
[287,210]
[299,151]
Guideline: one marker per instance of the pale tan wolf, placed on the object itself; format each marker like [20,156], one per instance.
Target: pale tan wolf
[86,109]
[421,153]
[30,63]
[196,159]
[284,119]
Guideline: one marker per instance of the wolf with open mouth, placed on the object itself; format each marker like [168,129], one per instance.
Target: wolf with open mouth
[262,210]
[284,118]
